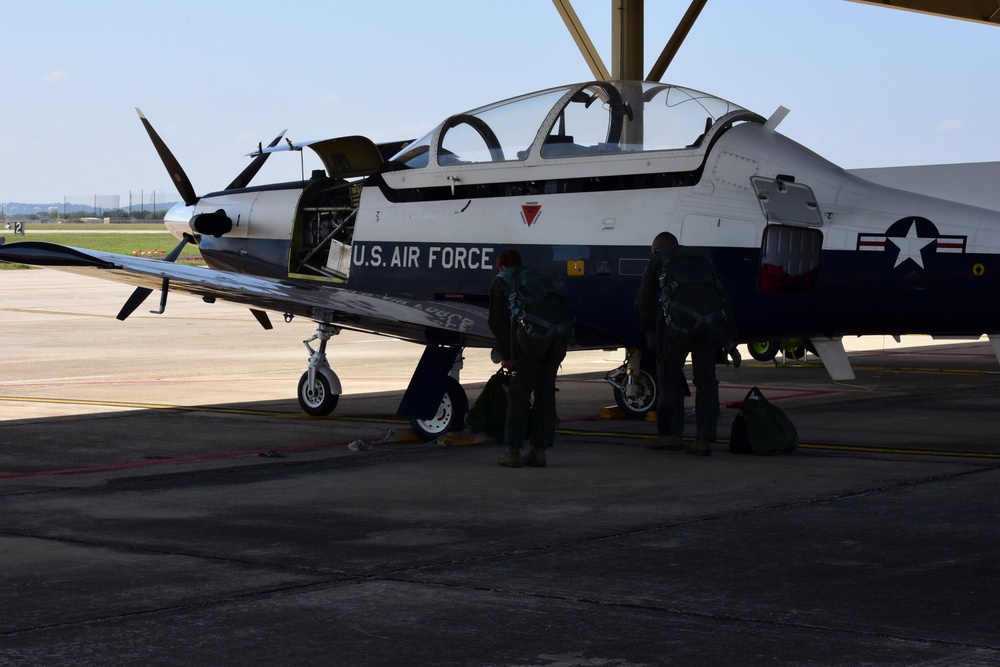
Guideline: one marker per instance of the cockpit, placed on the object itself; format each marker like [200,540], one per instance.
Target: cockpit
[581,120]
[561,135]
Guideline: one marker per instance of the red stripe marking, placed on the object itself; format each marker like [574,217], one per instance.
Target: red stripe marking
[179,459]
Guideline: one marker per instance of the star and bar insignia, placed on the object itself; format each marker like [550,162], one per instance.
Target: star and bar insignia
[911,238]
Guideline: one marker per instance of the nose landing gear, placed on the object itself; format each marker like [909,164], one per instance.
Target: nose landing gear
[319,387]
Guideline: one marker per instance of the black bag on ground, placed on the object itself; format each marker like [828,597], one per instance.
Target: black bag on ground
[739,441]
[489,413]
[761,427]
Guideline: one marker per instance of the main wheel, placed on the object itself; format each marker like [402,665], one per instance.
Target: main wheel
[450,415]
[764,350]
[637,406]
[796,347]
[318,400]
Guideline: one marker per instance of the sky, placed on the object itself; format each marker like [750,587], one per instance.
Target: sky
[867,86]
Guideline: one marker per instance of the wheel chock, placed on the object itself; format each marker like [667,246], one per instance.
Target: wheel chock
[461,438]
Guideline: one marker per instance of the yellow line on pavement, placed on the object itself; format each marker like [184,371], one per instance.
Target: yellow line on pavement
[903,450]
[466,439]
[150,406]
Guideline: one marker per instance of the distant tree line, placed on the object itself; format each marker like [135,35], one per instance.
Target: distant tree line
[107,213]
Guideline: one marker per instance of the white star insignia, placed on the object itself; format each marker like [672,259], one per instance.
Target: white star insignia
[910,246]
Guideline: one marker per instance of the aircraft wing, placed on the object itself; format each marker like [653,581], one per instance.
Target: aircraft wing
[428,322]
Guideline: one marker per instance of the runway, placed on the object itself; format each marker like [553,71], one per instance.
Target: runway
[165,502]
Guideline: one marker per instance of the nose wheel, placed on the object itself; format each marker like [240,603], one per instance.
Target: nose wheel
[319,387]
[316,396]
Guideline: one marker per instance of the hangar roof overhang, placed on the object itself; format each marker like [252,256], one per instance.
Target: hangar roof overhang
[627,30]
[980,11]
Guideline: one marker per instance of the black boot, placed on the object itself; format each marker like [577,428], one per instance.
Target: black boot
[510,458]
[535,457]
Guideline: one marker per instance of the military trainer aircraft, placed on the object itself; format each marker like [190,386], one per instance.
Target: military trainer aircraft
[401,239]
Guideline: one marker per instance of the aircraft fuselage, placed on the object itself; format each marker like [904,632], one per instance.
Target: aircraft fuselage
[805,248]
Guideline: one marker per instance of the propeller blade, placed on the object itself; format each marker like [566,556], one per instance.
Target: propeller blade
[140,293]
[247,174]
[177,175]
[176,252]
[134,301]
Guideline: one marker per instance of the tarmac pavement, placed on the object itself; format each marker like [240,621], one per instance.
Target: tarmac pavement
[165,502]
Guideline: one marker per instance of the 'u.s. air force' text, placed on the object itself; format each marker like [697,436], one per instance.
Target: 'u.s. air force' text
[422,257]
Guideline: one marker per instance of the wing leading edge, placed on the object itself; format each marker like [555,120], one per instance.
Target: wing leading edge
[428,322]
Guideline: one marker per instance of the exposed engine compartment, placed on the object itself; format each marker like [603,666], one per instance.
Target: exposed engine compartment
[323,229]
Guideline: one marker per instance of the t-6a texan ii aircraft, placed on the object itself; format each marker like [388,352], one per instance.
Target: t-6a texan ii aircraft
[401,240]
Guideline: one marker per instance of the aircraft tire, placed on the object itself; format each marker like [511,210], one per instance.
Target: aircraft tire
[318,400]
[450,415]
[764,350]
[637,407]
[796,348]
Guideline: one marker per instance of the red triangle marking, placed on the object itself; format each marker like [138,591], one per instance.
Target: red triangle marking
[530,212]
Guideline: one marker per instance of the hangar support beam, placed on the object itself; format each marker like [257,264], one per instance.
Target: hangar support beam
[626,39]
[627,33]
[582,39]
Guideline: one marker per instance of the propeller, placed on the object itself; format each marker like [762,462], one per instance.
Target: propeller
[247,174]
[215,223]
[177,175]
[140,293]
[181,180]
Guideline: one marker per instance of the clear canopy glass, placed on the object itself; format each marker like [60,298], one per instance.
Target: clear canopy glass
[596,118]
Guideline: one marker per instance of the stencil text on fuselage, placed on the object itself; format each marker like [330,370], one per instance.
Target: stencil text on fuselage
[423,257]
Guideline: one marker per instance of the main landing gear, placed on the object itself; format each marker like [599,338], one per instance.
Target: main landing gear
[767,350]
[635,386]
[449,416]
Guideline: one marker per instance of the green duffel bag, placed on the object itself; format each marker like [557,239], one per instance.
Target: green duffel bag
[769,429]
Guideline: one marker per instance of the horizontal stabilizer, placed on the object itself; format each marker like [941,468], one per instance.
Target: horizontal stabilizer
[973,183]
